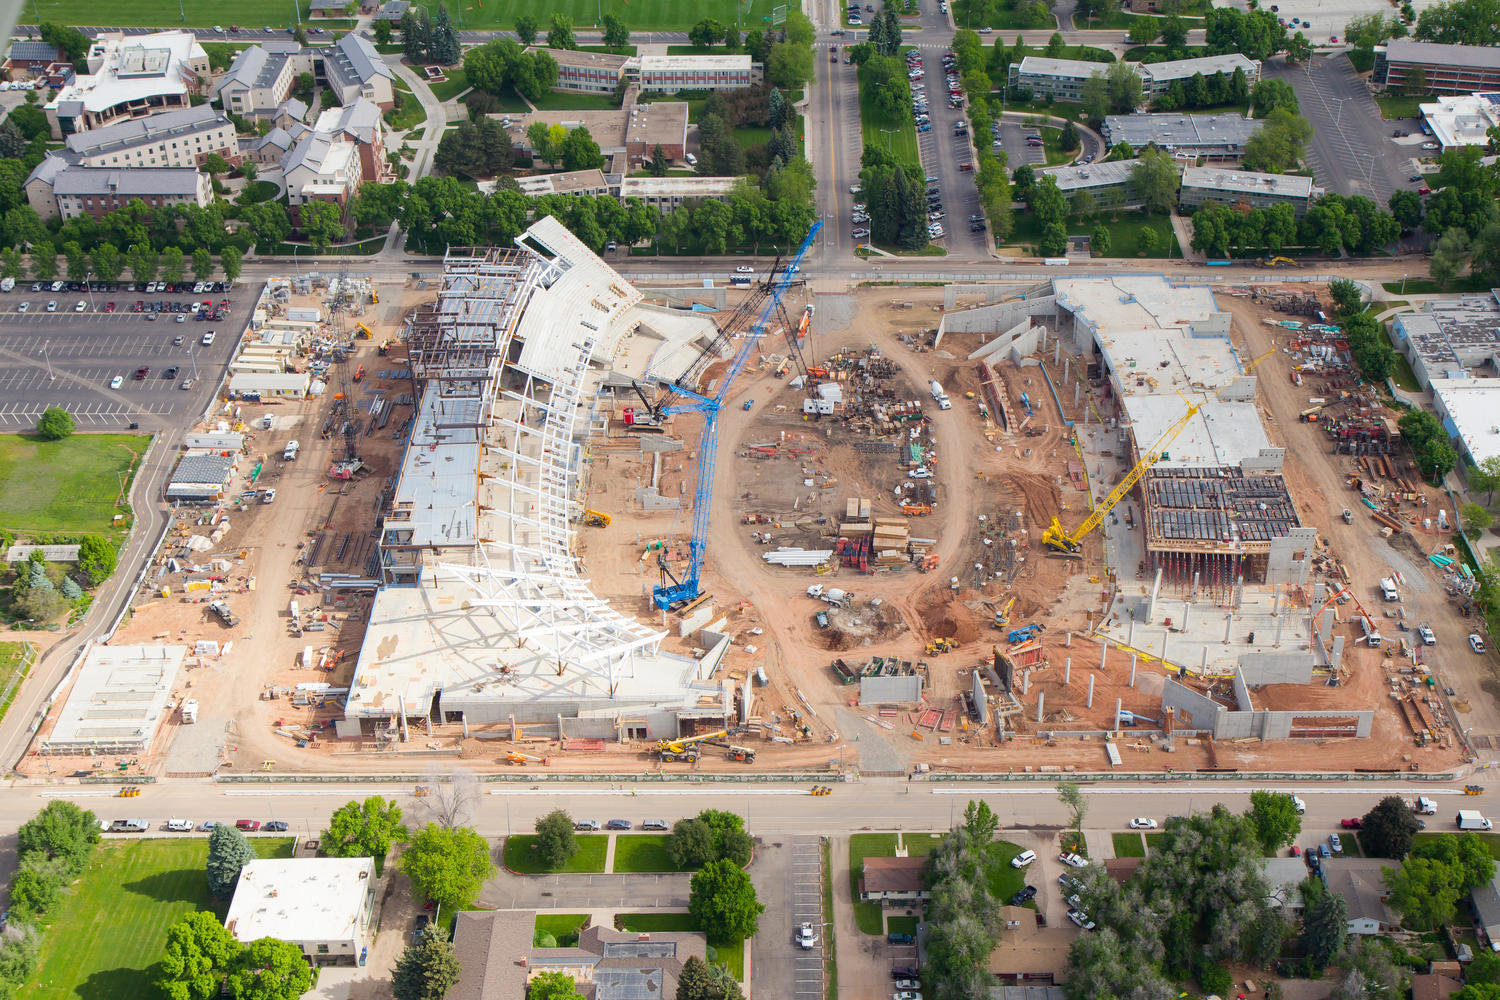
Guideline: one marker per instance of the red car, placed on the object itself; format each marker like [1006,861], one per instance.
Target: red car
[1296,851]
[247,824]
[139,306]
[109,307]
[1424,190]
[1351,824]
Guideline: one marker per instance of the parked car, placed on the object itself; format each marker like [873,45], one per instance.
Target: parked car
[275,825]
[897,938]
[180,825]
[1424,631]
[807,938]
[171,372]
[1142,823]
[207,825]
[1073,860]
[1351,824]
[1023,859]
[618,824]
[1335,843]
[744,269]
[655,824]
[250,825]
[908,984]
[117,381]
[586,824]
[1023,895]
[1081,919]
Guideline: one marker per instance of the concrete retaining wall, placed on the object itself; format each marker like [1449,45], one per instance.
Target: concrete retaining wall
[890,690]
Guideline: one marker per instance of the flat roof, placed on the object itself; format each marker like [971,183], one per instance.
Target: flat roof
[301,900]
[1406,50]
[1071,68]
[440,472]
[658,122]
[1471,405]
[1082,176]
[691,63]
[1184,69]
[1462,120]
[174,124]
[568,182]
[676,187]
[1453,332]
[578,57]
[1180,131]
[606,127]
[119,698]
[134,69]
[1247,182]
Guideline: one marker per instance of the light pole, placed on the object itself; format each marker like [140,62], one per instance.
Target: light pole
[888,132]
[50,376]
[1403,284]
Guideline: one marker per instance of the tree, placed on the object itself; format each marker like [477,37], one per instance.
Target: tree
[1154,178]
[447,865]
[383,32]
[1424,890]
[1406,206]
[56,423]
[60,831]
[1298,49]
[229,263]
[1389,829]
[203,264]
[580,151]
[526,29]
[427,967]
[77,263]
[173,264]
[43,261]
[1277,146]
[415,31]
[1270,94]
[701,981]
[1068,141]
[539,138]
[321,222]
[1486,476]
[1070,794]
[1099,241]
[198,953]
[1144,31]
[552,986]
[705,33]
[142,261]
[269,969]
[1125,87]
[659,164]
[1461,22]
[1146,241]
[691,845]
[1346,296]
[555,842]
[616,34]
[722,900]
[228,852]
[1448,256]
[1465,852]
[1325,922]
[980,820]
[1274,818]
[364,830]
[1475,519]
[37,885]
[443,46]
[560,35]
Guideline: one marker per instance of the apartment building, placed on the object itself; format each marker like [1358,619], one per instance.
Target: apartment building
[1427,67]
[130,77]
[58,189]
[1157,77]
[322,168]
[588,72]
[261,78]
[1108,182]
[669,74]
[1054,79]
[354,70]
[1246,188]
[181,138]
[361,124]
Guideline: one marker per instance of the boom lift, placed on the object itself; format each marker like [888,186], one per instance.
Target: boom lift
[1068,544]
[686,748]
[666,595]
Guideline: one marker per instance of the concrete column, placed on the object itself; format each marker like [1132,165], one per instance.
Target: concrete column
[1077,392]
[1187,608]
[1091,690]
[1041,697]
[1151,604]
[1194,595]
[1067,669]
[1326,628]
[1164,635]
[1057,351]
[1228,624]
[1276,601]
[1067,365]
[1132,670]
[1025,682]
[1068,640]
[1203,667]
[1279,622]
[1103,653]
[1118,703]
[1130,633]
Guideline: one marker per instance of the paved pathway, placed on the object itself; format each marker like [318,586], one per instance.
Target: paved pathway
[576,893]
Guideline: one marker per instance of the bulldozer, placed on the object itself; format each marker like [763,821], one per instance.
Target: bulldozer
[941,645]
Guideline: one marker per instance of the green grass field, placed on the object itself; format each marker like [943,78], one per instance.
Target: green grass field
[643,852]
[110,927]
[410,115]
[867,845]
[919,845]
[902,925]
[1003,880]
[1399,105]
[14,666]
[563,927]
[646,923]
[588,861]
[554,100]
[659,15]
[1003,19]
[1124,231]
[1490,840]
[68,485]
[900,137]
[1129,845]
[447,90]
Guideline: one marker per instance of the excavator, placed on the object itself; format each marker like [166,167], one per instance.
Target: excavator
[1068,544]
[1002,617]
[596,519]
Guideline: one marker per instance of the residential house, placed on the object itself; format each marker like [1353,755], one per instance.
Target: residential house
[893,880]
[322,168]
[361,124]
[261,78]
[1484,901]
[130,76]
[1245,189]
[1433,986]
[1358,880]
[353,69]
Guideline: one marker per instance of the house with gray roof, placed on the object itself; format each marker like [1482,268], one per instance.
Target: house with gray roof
[59,189]
[28,57]
[261,78]
[354,69]
[361,124]
[321,168]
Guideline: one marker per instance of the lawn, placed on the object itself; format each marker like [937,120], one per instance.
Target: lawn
[588,861]
[510,102]
[646,923]
[1420,286]
[410,115]
[919,845]
[902,925]
[1004,881]
[731,956]
[643,852]
[109,929]
[447,90]
[1404,376]
[16,659]
[1151,839]
[68,485]
[261,190]
[1399,105]
[1129,845]
[660,15]
[861,846]
[1163,53]
[1003,19]
[899,137]
[1123,232]
[563,927]
[554,100]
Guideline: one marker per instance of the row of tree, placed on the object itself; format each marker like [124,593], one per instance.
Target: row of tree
[105,263]
[895,198]
[501,65]
[963,918]
[1333,223]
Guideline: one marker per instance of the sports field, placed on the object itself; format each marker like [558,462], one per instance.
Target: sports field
[110,927]
[638,15]
[68,485]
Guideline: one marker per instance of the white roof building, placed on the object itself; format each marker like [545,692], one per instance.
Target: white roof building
[129,75]
[118,700]
[1462,120]
[1470,410]
[322,905]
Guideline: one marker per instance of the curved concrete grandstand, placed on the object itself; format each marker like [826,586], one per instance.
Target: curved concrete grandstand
[482,618]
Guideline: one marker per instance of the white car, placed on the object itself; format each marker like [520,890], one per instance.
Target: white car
[117,381]
[1476,643]
[1425,632]
[180,825]
[744,269]
[23,307]
[81,306]
[1299,805]
[1073,860]
[1142,823]
[52,306]
[208,338]
[1023,859]
[854,189]
[807,938]
[182,317]
[1081,919]
[919,473]
[269,496]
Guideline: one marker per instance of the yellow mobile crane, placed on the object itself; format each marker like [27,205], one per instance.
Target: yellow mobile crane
[1061,540]
[686,748]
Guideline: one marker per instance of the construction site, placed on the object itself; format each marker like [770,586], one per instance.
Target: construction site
[530,515]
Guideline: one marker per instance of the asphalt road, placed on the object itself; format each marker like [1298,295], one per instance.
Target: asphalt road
[69,358]
[1352,151]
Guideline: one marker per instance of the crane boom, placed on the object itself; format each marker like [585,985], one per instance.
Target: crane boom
[1059,538]
[664,595]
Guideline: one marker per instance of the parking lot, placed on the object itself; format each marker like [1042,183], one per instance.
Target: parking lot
[69,359]
[1018,152]
[1352,151]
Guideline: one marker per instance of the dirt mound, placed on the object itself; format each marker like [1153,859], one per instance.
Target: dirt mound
[944,616]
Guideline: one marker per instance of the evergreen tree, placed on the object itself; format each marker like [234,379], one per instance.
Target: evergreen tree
[228,852]
[442,46]
[776,109]
[426,969]
[414,34]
